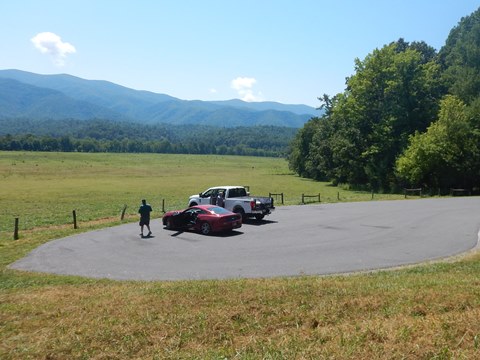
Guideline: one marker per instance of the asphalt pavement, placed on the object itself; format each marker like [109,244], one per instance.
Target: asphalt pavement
[295,240]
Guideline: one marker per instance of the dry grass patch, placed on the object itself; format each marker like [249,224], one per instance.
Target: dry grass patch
[379,316]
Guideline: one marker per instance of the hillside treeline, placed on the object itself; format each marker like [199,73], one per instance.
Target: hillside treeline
[409,117]
[122,137]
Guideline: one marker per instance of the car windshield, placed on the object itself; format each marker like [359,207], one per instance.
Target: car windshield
[219,210]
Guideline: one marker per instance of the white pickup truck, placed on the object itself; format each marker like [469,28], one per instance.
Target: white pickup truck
[237,200]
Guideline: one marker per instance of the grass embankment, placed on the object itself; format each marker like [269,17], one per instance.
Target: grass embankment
[429,311]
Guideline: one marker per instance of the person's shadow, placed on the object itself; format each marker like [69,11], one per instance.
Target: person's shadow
[147,236]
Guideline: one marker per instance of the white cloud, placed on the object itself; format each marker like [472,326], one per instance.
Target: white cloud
[51,44]
[213,91]
[244,85]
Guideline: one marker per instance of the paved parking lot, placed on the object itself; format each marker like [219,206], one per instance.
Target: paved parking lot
[294,240]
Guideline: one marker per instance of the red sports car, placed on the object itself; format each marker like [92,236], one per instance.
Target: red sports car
[203,218]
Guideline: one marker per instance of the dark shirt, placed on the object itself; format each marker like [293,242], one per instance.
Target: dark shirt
[145,211]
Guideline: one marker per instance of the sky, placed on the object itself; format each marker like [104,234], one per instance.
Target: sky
[287,51]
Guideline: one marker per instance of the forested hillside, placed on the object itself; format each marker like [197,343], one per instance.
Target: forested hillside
[67,113]
[112,136]
[409,116]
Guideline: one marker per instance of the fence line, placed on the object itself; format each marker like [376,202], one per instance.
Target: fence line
[276,196]
[453,192]
[305,198]
[309,197]
[406,191]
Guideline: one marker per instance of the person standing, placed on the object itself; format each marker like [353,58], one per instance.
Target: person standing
[213,198]
[144,211]
[221,199]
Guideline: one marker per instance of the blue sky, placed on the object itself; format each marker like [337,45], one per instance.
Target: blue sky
[257,50]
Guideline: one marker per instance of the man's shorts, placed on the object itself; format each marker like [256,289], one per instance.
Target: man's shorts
[144,222]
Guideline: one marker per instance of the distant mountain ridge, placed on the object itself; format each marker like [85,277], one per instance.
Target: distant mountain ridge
[18,99]
[62,96]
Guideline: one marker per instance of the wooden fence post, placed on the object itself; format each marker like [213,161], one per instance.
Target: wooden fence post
[15,231]
[74,219]
[270,195]
[123,211]
[163,206]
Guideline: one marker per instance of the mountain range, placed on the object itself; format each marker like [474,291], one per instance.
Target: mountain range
[40,97]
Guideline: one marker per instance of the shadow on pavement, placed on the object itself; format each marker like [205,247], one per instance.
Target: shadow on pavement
[256,222]
[220,234]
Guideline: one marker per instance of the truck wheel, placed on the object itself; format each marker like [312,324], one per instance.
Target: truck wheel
[239,210]
[259,216]
[192,204]
[205,228]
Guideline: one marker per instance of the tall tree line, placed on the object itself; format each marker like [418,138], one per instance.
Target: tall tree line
[111,136]
[409,116]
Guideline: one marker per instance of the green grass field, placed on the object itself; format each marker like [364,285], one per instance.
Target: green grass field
[43,189]
[423,312]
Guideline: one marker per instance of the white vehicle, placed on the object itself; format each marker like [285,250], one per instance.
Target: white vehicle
[237,200]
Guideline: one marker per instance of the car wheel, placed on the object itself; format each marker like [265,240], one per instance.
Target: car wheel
[192,204]
[168,224]
[259,216]
[205,228]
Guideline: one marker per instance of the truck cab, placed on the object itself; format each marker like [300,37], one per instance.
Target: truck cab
[236,199]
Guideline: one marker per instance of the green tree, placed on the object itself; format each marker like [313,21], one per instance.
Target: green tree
[460,58]
[300,148]
[66,144]
[447,154]
[393,93]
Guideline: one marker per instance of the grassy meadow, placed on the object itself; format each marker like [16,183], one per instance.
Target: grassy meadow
[423,312]
[43,189]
